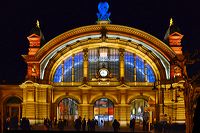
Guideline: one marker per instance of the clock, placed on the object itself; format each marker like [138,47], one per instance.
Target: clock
[103,72]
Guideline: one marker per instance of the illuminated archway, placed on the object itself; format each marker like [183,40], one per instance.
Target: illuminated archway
[139,109]
[103,110]
[67,109]
[12,110]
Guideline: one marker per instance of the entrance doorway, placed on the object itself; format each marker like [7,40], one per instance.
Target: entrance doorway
[104,111]
[139,109]
[67,109]
[12,112]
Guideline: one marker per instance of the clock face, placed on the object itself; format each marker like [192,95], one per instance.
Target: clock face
[103,72]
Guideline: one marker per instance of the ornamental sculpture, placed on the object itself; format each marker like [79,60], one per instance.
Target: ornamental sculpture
[103,14]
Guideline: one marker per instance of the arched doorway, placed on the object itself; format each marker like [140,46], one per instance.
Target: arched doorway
[67,109]
[139,109]
[12,111]
[103,111]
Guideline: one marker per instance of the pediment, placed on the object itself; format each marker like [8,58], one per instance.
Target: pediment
[33,36]
[123,86]
[85,87]
[175,34]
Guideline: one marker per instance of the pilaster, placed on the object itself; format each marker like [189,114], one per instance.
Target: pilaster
[121,64]
[123,114]
[85,65]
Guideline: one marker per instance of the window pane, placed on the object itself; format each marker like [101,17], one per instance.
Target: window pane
[129,66]
[68,70]
[150,74]
[58,74]
[139,69]
[78,67]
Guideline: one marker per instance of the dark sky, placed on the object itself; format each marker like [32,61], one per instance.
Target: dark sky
[18,17]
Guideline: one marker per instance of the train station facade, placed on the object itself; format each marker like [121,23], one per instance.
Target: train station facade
[102,71]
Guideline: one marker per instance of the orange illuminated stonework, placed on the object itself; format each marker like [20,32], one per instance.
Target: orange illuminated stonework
[34,43]
[175,42]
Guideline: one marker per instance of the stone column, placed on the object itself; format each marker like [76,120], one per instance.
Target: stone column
[85,111]
[145,71]
[124,114]
[62,71]
[128,113]
[134,69]
[73,76]
[91,111]
[85,65]
[116,112]
[121,64]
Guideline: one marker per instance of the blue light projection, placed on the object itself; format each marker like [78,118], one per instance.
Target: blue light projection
[113,63]
[103,9]
[58,74]
[139,69]
[68,70]
[78,67]
[140,75]
[129,67]
[150,74]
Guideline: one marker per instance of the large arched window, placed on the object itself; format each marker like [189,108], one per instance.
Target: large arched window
[136,69]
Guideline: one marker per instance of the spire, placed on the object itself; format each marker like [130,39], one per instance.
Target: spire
[171,22]
[38,24]
[171,29]
[36,30]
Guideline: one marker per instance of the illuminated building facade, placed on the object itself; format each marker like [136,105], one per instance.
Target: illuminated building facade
[102,71]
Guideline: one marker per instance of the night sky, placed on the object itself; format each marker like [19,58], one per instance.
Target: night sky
[18,17]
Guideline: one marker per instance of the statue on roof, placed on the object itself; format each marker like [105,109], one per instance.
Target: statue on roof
[171,22]
[103,14]
[38,24]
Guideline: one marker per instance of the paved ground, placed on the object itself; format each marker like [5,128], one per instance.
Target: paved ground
[42,128]
[98,129]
